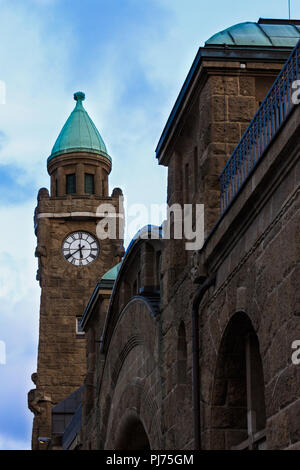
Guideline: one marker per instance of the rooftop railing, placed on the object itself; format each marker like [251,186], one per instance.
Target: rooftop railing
[264,126]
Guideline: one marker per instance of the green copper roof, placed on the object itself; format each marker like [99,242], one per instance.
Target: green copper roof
[111,275]
[79,133]
[257,34]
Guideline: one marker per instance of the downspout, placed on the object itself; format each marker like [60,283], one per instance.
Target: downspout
[209,281]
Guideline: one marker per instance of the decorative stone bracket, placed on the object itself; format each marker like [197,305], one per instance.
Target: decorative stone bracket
[37,398]
[198,271]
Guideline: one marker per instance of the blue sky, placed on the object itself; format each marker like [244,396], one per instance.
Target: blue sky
[130,57]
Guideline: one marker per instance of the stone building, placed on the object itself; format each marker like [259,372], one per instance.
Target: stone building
[193,349]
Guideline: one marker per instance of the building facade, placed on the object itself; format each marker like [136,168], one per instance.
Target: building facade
[193,349]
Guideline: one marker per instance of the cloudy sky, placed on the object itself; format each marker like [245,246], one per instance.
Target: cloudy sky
[130,57]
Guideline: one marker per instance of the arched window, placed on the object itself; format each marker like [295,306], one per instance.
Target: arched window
[238,403]
[181,355]
[132,435]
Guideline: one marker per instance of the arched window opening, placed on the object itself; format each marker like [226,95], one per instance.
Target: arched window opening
[238,403]
[132,436]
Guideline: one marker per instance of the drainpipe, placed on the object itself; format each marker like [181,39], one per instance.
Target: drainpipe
[209,281]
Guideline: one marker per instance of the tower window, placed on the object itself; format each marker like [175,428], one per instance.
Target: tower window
[71,184]
[56,187]
[79,330]
[89,184]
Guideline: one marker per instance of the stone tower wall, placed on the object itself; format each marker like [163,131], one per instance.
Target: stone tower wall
[65,292]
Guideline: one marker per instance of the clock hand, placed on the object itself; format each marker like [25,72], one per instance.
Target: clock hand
[71,254]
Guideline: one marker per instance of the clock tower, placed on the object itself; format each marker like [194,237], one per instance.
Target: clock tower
[71,259]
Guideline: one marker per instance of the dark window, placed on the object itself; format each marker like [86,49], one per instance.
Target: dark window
[71,184]
[89,184]
[238,392]
[56,187]
[79,330]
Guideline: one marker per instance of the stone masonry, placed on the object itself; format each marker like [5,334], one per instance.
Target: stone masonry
[248,318]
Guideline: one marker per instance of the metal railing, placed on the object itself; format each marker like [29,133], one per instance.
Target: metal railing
[261,130]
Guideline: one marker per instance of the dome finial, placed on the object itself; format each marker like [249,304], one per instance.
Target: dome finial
[79,96]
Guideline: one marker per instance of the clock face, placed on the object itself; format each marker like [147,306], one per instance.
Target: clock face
[80,248]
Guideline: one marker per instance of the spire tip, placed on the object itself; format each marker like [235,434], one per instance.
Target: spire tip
[79,96]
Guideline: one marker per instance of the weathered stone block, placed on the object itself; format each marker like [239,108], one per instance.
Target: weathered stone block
[219,106]
[225,132]
[278,436]
[240,108]
[247,86]
[221,85]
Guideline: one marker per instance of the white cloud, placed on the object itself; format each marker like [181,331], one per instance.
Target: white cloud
[19,304]
[17,244]
[8,443]
[34,67]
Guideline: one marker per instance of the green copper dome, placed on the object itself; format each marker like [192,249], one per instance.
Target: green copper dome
[270,33]
[79,133]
